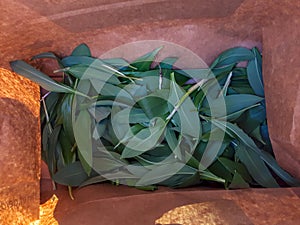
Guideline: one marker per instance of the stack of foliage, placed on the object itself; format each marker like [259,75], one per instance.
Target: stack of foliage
[182,127]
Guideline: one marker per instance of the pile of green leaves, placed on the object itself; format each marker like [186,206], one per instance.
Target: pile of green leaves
[177,115]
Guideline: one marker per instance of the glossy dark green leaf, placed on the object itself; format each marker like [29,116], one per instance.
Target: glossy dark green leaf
[144,62]
[207,175]
[68,153]
[252,118]
[254,71]
[238,182]
[266,157]
[35,75]
[82,60]
[49,55]
[256,167]
[235,115]
[232,56]
[81,50]
[71,175]
[220,171]
[51,151]
[271,162]
[234,167]
[66,111]
[233,103]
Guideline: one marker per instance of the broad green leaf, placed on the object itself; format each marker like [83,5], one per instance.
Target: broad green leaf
[89,72]
[99,113]
[254,71]
[256,167]
[252,118]
[188,116]
[49,55]
[212,151]
[221,71]
[144,62]
[256,134]
[51,153]
[116,62]
[234,103]
[45,139]
[235,115]
[173,142]
[66,111]
[271,162]
[234,131]
[43,80]
[232,56]
[93,180]
[137,169]
[83,137]
[220,171]
[144,140]
[238,182]
[71,175]
[195,74]
[82,60]
[81,50]
[207,175]
[106,164]
[184,175]
[168,63]
[153,106]
[161,173]
[99,129]
[234,167]
[68,152]
[138,116]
